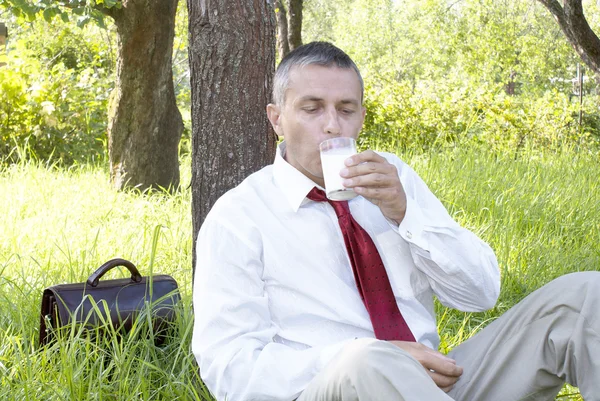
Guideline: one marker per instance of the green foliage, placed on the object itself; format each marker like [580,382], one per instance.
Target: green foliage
[63,43]
[85,11]
[399,117]
[71,71]
[441,73]
[54,90]
[181,76]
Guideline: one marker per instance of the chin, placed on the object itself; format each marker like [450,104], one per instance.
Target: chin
[317,172]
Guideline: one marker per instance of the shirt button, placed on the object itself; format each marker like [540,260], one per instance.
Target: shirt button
[408,235]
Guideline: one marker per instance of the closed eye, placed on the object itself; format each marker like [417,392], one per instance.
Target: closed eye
[310,109]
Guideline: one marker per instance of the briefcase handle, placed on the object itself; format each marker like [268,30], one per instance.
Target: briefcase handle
[101,271]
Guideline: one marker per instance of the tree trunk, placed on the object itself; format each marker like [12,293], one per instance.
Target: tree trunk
[571,20]
[232,61]
[144,122]
[295,23]
[283,46]
[510,87]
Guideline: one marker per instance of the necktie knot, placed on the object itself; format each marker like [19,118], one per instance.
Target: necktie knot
[341,208]
[317,195]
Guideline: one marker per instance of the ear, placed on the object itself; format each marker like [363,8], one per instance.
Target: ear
[274,116]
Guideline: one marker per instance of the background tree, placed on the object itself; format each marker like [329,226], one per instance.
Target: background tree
[289,25]
[572,21]
[295,23]
[283,44]
[232,60]
[145,124]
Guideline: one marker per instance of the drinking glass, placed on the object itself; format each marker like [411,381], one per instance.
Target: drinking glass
[333,153]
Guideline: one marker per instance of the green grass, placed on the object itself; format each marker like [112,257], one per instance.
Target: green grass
[540,212]
[58,226]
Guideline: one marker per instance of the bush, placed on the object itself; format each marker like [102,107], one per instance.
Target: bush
[54,98]
[57,114]
[401,117]
[437,73]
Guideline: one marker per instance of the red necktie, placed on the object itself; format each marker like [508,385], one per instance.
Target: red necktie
[370,275]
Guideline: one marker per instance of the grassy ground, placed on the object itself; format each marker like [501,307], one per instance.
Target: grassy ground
[540,212]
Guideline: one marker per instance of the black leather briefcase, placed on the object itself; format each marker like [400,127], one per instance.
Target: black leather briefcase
[118,302]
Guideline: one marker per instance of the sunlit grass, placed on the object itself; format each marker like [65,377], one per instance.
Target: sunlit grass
[59,226]
[540,212]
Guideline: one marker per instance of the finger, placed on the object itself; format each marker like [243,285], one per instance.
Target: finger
[378,180]
[435,363]
[446,389]
[378,194]
[443,381]
[369,168]
[438,354]
[449,369]
[364,157]
[441,364]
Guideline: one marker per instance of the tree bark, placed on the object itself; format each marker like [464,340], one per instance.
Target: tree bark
[295,23]
[283,46]
[145,124]
[232,61]
[511,85]
[580,35]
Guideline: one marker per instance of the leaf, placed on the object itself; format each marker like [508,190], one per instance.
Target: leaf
[99,18]
[49,13]
[64,16]
[83,20]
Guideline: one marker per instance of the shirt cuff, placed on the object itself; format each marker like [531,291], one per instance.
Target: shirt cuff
[411,227]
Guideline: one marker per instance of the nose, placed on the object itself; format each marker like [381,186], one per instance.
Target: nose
[332,124]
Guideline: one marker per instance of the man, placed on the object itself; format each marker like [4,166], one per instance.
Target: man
[285,307]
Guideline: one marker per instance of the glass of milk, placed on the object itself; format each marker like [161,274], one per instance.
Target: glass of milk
[333,153]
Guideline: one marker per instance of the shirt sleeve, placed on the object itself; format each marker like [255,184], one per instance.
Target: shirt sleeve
[233,331]
[461,268]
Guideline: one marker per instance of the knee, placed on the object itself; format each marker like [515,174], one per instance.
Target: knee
[577,292]
[587,283]
[359,352]
[369,357]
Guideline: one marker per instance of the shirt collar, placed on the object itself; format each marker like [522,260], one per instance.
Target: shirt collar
[294,185]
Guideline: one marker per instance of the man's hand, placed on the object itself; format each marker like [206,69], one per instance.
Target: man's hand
[443,370]
[373,177]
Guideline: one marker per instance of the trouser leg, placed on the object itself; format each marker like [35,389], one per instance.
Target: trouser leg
[550,337]
[373,370]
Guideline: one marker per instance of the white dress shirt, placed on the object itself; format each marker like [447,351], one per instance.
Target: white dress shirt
[274,293]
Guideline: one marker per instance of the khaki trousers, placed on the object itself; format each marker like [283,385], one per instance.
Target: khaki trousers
[550,337]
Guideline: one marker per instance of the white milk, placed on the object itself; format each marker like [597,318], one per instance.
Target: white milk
[333,162]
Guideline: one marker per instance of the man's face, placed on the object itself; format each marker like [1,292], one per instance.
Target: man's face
[321,103]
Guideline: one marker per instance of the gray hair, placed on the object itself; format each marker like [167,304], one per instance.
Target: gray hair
[315,53]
